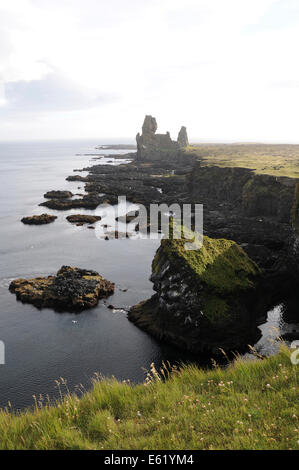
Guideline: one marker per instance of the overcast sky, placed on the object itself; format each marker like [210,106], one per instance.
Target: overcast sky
[226,69]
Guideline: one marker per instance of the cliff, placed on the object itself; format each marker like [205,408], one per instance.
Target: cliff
[204,298]
[255,210]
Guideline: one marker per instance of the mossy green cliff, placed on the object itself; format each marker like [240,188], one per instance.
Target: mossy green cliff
[204,297]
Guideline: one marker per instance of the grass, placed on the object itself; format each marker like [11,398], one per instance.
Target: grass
[249,405]
[276,160]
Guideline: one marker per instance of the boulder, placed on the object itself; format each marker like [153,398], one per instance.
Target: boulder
[83,219]
[72,289]
[58,194]
[39,219]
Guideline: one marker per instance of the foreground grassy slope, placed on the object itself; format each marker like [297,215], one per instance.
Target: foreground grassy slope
[250,405]
[277,160]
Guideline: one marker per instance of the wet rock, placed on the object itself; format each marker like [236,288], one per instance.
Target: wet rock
[39,219]
[83,219]
[90,201]
[72,289]
[129,217]
[58,194]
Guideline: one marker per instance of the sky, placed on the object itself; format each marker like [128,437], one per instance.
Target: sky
[227,70]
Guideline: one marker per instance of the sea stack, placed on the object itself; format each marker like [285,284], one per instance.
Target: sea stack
[183,137]
[152,146]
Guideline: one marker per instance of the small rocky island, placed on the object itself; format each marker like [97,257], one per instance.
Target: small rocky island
[38,219]
[58,194]
[204,297]
[72,289]
[83,219]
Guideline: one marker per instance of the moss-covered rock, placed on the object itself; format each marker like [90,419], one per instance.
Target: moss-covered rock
[204,297]
[72,289]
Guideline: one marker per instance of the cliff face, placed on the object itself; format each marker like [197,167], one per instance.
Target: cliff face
[253,210]
[203,297]
[255,195]
[152,146]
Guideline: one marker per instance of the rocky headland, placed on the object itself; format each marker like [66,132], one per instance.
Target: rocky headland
[248,214]
[72,289]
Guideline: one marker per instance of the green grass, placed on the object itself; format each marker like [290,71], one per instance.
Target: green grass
[249,405]
[276,160]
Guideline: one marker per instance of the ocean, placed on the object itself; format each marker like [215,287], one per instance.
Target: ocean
[43,345]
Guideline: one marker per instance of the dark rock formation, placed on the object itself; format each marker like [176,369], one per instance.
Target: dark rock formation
[183,137]
[204,298]
[152,146]
[39,219]
[58,194]
[83,219]
[90,201]
[253,210]
[72,289]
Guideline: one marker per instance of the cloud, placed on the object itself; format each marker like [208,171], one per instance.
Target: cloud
[51,93]
[77,68]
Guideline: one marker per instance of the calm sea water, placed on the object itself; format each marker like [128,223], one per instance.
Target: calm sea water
[42,345]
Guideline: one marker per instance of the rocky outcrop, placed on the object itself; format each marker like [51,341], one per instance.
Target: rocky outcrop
[72,289]
[204,298]
[90,201]
[83,218]
[39,219]
[58,194]
[152,146]
[254,195]
[183,138]
[253,210]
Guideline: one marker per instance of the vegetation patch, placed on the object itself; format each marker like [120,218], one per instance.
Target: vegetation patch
[276,160]
[219,263]
[249,405]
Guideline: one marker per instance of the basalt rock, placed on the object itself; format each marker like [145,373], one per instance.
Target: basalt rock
[83,219]
[152,146]
[183,138]
[204,298]
[58,194]
[39,219]
[253,210]
[72,289]
[90,201]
